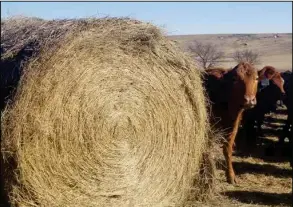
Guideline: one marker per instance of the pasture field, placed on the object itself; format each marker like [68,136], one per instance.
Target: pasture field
[276,52]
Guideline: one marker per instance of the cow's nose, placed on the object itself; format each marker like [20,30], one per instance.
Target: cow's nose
[250,101]
[253,101]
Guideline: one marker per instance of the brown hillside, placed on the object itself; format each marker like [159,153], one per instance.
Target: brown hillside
[276,52]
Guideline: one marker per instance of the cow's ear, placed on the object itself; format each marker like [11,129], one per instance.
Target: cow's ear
[215,72]
[266,73]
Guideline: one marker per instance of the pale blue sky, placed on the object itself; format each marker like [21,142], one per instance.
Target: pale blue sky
[175,17]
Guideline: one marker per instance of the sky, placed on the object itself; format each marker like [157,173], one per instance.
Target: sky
[177,18]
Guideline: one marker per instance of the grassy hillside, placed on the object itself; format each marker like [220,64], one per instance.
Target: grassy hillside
[276,52]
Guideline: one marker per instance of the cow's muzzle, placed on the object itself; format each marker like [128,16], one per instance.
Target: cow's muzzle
[249,102]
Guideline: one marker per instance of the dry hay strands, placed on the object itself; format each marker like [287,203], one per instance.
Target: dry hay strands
[116,116]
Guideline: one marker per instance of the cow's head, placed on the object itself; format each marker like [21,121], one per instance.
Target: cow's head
[217,73]
[276,82]
[245,80]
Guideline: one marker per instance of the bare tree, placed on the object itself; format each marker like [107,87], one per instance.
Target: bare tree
[246,56]
[207,54]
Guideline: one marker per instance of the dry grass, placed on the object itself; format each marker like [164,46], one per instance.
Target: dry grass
[111,115]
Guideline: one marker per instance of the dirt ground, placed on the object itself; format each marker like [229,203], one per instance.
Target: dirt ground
[264,175]
[273,51]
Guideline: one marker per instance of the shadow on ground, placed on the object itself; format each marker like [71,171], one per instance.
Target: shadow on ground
[269,150]
[274,120]
[254,168]
[266,150]
[265,169]
[261,198]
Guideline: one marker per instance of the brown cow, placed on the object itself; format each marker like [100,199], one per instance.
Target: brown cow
[267,97]
[231,92]
[273,75]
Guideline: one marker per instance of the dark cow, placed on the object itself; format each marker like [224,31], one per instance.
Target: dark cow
[287,75]
[270,90]
[289,104]
[230,92]
[290,114]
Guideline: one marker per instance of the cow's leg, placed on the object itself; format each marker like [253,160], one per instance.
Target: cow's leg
[290,126]
[259,122]
[250,133]
[228,150]
[286,130]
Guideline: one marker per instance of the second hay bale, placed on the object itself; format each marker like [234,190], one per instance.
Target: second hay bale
[115,116]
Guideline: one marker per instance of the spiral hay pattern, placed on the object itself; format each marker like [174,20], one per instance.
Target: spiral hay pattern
[115,115]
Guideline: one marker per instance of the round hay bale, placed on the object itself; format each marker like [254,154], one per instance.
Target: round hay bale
[111,115]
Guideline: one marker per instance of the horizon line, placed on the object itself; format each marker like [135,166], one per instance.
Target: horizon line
[256,33]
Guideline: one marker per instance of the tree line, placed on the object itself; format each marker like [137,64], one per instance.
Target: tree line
[209,55]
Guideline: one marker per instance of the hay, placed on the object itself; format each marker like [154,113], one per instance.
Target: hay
[111,115]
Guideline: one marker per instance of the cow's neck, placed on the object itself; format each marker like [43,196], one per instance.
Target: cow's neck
[228,85]
[234,111]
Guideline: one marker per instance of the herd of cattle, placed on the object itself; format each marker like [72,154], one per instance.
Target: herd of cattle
[238,94]
[244,95]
